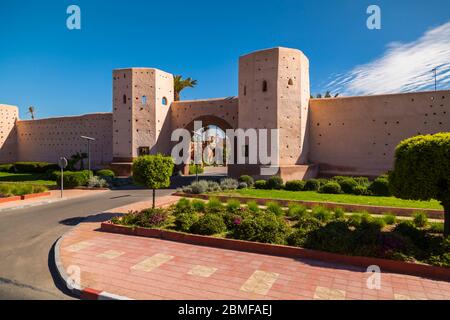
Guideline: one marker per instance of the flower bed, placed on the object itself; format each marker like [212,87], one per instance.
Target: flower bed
[320,229]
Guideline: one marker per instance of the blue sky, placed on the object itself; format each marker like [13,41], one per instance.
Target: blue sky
[63,72]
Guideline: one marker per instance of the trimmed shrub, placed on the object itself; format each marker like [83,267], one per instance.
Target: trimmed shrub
[420,219]
[248,180]
[34,167]
[362,181]
[229,184]
[408,229]
[297,211]
[73,179]
[106,173]
[321,213]
[297,238]
[390,219]
[360,190]
[308,223]
[334,237]
[260,184]
[295,185]
[20,189]
[331,187]
[264,227]
[196,168]
[312,185]
[209,224]
[275,208]
[198,205]
[347,184]
[274,183]
[185,220]
[354,220]
[6,168]
[380,187]
[153,172]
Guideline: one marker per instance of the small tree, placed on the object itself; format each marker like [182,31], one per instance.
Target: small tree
[153,172]
[422,171]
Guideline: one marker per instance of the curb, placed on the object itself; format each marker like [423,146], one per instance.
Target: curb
[84,293]
[24,206]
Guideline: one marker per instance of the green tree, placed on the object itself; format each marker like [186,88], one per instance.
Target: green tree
[153,172]
[422,171]
[180,84]
[32,112]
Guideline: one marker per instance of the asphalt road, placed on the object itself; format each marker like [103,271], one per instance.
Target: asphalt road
[27,237]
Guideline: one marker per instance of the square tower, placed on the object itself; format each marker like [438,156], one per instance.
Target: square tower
[274,93]
[141,102]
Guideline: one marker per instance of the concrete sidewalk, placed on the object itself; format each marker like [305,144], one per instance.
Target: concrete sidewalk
[148,268]
[55,196]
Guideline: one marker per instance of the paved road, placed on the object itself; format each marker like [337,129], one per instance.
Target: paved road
[27,237]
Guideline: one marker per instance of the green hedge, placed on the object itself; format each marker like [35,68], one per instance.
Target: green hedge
[73,179]
[105,173]
[6,167]
[20,189]
[192,168]
[34,167]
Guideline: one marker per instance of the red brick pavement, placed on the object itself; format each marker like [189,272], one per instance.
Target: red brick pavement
[146,268]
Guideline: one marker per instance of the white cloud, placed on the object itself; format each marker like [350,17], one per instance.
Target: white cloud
[404,67]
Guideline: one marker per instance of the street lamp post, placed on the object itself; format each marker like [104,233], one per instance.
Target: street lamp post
[196,165]
[88,139]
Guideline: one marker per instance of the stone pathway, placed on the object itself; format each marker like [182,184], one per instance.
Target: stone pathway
[146,268]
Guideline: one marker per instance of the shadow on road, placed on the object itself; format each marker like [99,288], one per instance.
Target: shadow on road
[56,277]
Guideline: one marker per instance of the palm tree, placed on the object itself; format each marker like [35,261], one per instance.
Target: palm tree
[180,84]
[31,111]
[326,95]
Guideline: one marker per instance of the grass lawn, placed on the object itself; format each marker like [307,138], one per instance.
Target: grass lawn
[31,178]
[338,198]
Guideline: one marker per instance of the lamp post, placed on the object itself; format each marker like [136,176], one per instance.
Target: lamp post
[88,139]
[196,165]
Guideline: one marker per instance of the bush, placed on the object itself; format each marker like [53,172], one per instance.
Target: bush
[308,223]
[34,167]
[213,186]
[321,213]
[295,185]
[248,180]
[297,238]
[390,219]
[229,184]
[233,205]
[106,173]
[331,188]
[420,219]
[408,229]
[264,227]
[97,182]
[152,218]
[275,208]
[312,185]
[354,220]
[380,187]
[198,187]
[242,185]
[347,185]
[339,213]
[274,183]
[198,205]
[253,206]
[20,189]
[436,227]
[185,220]
[297,211]
[6,168]
[260,184]
[362,181]
[361,191]
[193,168]
[214,205]
[334,237]
[72,179]
[209,224]
[183,205]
